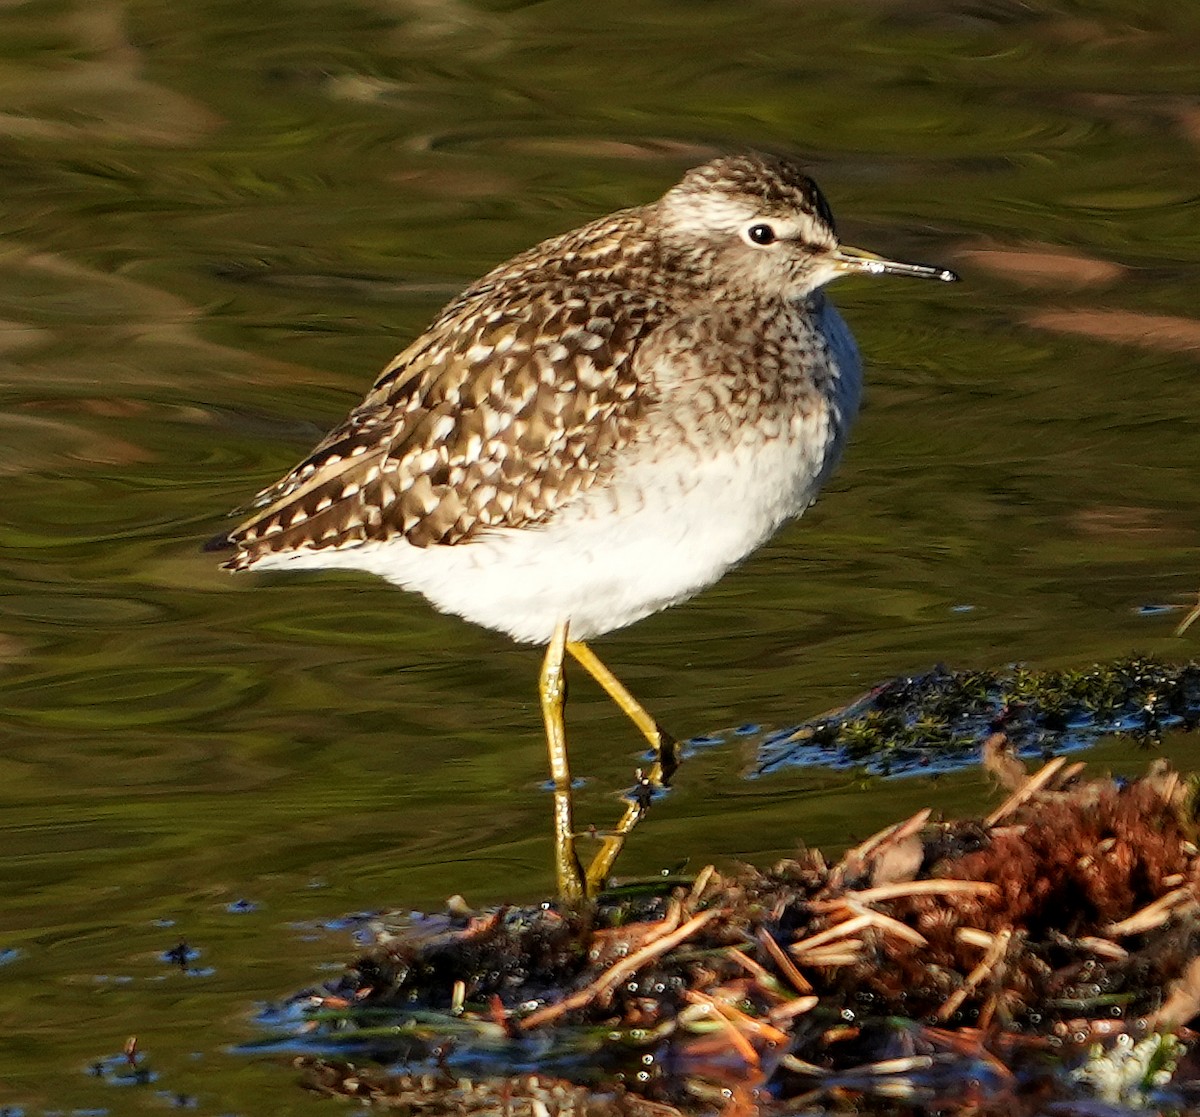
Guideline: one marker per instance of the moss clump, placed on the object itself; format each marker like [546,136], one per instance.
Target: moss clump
[942,717]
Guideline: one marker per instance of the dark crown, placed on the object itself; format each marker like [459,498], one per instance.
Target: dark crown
[778,182]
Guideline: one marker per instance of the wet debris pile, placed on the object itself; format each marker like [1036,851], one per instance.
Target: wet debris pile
[943,717]
[1045,958]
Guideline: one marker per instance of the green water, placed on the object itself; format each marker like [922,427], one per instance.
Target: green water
[219,220]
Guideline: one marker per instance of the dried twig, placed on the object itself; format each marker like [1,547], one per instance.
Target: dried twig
[636,935]
[767,981]
[700,884]
[1106,948]
[743,1046]
[786,966]
[896,832]
[888,925]
[942,886]
[1189,620]
[1070,774]
[988,963]
[748,1024]
[840,954]
[831,934]
[901,1065]
[1155,914]
[1027,790]
[791,1009]
[617,973]
[973,936]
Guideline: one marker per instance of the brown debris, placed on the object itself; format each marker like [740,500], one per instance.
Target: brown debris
[786,966]
[973,963]
[618,972]
[1027,789]
[433,1094]
[999,758]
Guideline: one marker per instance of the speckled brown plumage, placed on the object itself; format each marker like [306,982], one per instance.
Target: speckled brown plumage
[521,391]
[507,406]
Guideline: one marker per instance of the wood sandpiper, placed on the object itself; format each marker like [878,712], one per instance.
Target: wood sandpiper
[594,431]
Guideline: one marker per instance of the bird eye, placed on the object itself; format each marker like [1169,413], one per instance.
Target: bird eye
[760,234]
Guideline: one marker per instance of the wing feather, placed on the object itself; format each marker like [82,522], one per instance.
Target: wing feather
[512,403]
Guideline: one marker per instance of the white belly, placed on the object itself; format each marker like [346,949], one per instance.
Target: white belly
[657,534]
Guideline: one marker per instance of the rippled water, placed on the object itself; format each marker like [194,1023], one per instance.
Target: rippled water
[220,220]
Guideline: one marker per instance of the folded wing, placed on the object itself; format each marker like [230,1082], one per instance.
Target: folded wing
[509,406]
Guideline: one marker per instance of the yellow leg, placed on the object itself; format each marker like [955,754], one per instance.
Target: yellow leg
[660,773]
[613,842]
[660,741]
[551,689]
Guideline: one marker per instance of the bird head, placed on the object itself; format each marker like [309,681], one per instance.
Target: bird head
[757,223]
